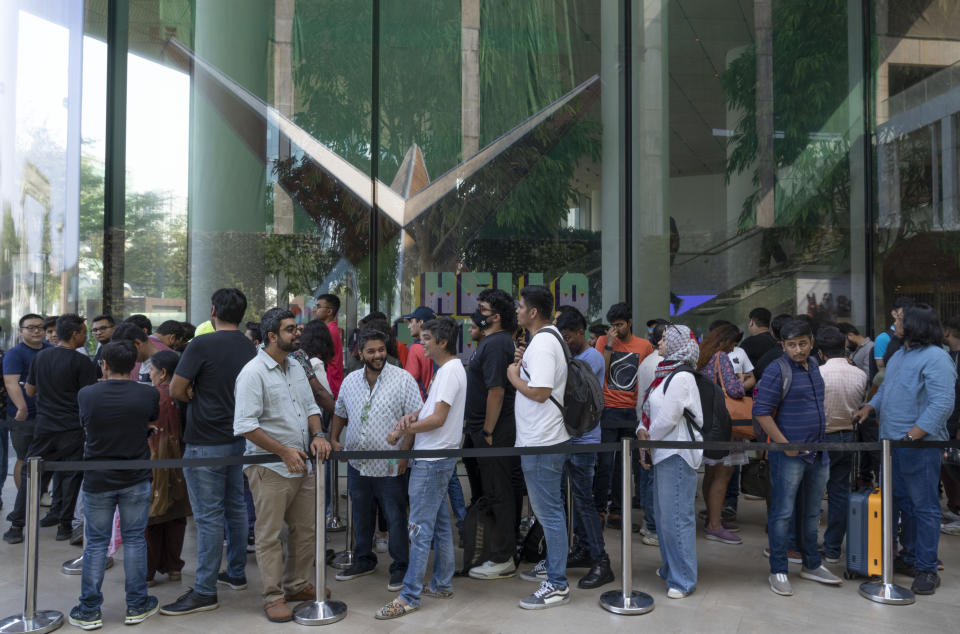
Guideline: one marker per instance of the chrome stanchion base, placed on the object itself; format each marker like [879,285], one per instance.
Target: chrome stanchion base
[75,566]
[319,612]
[42,621]
[886,593]
[335,524]
[342,560]
[615,601]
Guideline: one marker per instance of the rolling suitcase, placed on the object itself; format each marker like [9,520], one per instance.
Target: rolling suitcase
[864,534]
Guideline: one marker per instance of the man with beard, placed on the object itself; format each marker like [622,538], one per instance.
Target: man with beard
[277,414]
[371,402]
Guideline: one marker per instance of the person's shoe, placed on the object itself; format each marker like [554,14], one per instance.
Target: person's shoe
[251,544]
[175,575]
[396,580]
[306,593]
[613,520]
[85,620]
[537,573]
[436,594]
[278,611]
[951,528]
[821,575]
[493,570]
[46,500]
[733,527]
[190,602]
[380,544]
[950,516]
[579,558]
[139,615]
[722,535]
[781,585]
[49,520]
[650,539]
[926,582]
[600,574]
[831,559]
[394,609]
[354,571]
[728,514]
[793,556]
[14,535]
[234,583]
[546,596]
[64,532]
[76,535]
[901,567]
[673,593]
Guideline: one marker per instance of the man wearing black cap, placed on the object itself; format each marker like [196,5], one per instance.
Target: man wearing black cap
[417,363]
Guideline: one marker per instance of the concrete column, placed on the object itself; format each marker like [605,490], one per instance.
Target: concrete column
[227,179]
[651,168]
[469,77]
[859,275]
[283,98]
[609,199]
[948,159]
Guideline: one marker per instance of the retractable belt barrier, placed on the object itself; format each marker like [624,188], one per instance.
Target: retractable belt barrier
[625,601]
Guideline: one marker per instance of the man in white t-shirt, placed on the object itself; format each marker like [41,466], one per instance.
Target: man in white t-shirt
[438,425]
[539,375]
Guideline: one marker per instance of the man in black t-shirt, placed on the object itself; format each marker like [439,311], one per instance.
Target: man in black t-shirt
[205,380]
[56,375]
[116,414]
[489,422]
[761,339]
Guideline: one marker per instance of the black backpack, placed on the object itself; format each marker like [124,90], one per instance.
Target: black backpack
[583,395]
[786,380]
[716,419]
[478,524]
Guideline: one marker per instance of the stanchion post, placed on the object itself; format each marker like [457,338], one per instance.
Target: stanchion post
[886,591]
[626,600]
[31,620]
[334,523]
[569,510]
[344,559]
[320,611]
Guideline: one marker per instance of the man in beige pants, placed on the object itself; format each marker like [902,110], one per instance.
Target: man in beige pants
[277,414]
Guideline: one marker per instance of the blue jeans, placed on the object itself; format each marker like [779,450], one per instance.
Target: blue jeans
[646,486]
[587,525]
[219,509]
[98,508]
[838,494]
[429,524]
[544,476]
[676,490]
[457,501]
[366,492]
[916,475]
[791,476]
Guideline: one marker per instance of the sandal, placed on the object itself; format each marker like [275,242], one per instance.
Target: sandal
[395,609]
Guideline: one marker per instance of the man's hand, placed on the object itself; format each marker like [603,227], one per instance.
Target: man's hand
[190,392]
[642,433]
[611,335]
[489,440]
[394,437]
[402,466]
[405,421]
[513,371]
[518,353]
[21,415]
[320,447]
[294,460]
[861,414]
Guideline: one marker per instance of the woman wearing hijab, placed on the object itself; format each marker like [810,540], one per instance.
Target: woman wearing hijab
[675,470]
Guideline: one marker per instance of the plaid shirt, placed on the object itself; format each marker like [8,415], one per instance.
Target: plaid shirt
[845,387]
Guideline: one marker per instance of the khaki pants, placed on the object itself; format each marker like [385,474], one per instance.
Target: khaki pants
[280,500]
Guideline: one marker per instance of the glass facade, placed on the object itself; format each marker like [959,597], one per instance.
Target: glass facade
[694,157]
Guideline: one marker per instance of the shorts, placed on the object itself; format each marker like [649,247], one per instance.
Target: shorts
[20,436]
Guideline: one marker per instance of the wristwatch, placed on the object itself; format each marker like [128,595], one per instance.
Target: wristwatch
[608,348]
[319,434]
[908,437]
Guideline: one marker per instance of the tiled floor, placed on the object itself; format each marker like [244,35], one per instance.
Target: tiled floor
[732,596]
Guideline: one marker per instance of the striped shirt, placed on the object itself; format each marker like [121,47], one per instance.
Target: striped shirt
[800,416]
[845,389]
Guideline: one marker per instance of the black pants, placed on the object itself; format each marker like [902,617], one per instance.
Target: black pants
[53,445]
[499,483]
[473,469]
[870,461]
[607,483]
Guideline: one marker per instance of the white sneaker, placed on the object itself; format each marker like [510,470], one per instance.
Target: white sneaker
[781,585]
[546,596]
[650,539]
[673,593]
[493,570]
[380,544]
[537,573]
[45,499]
[951,516]
[952,528]
[821,575]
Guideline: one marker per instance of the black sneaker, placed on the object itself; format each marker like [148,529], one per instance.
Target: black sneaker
[354,571]
[234,583]
[49,520]
[85,620]
[76,536]
[926,582]
[141,614]
[190,602]
[901,567]
[251,544]
[579,558]
[396,580]
[14,535]
[64,532]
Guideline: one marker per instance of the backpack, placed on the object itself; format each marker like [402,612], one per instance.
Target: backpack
[786,380]
[716,418]
[533,548]
[477,524]
[582,396]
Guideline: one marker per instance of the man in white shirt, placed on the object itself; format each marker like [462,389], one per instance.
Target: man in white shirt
[438,425]
[539,375]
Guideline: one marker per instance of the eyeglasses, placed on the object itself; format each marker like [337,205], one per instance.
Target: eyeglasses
[101,329]
[32,328]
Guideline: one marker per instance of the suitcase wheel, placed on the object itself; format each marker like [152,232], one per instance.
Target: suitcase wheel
[849,574]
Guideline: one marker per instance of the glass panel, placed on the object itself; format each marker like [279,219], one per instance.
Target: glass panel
[918,101]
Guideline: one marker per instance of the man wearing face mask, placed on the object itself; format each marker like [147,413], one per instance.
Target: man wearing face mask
[371,402]
[489,422]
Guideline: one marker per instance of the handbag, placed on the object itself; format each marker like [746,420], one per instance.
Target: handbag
[755,478]
[740,410]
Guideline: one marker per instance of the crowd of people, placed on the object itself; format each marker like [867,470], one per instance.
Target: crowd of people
[277,387]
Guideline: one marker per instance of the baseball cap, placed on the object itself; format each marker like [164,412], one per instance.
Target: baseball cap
[422,313]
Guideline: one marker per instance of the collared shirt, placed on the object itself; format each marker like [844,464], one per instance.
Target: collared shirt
[917,389]
[845,387]
[861,356]
[800,415]
[278,402]
[371,414]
